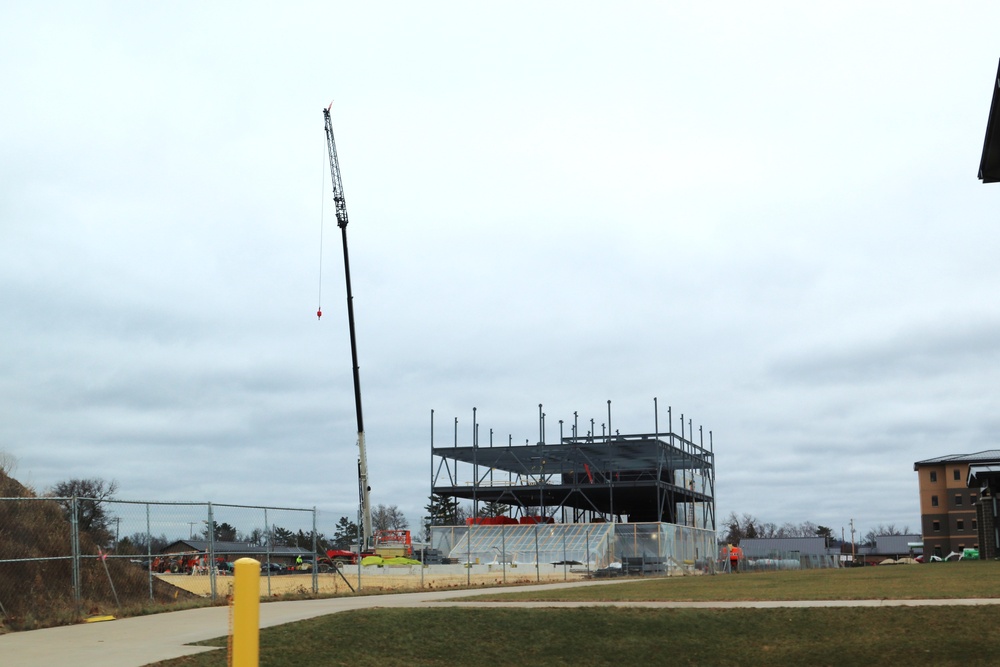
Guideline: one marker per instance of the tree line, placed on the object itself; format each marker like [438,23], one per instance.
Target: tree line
[736,527]
[94,517]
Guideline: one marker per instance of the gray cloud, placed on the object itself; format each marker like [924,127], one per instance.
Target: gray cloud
[766,219]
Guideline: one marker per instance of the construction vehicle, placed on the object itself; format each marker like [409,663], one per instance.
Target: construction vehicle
[367,538]
[393,544]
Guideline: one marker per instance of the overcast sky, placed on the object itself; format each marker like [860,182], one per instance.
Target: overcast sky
[766,217]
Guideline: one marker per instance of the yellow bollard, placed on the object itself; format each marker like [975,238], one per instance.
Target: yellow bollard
[246,613]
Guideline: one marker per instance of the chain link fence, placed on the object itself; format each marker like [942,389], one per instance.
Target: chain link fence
[778,561]
[580,549]
[63,557]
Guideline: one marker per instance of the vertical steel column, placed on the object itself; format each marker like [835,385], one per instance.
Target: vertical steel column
[609,419]
[659,460]
[431,519]
[684,480]
[690,457]
[475,468]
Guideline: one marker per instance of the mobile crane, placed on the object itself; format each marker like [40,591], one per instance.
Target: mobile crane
[366,541]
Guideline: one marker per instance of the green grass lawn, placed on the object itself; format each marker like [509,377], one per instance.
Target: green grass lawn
[967,579]
[947,635]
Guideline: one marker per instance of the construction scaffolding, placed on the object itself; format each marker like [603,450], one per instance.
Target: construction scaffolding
[555,493]
[638,548]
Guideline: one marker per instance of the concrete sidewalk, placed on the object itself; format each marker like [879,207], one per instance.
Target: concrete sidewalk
[138,641]
[141,640]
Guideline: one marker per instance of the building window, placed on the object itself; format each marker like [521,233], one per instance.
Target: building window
[958,500]
[975,525]
[934,501]
[972,499]
[958,474]
[933,475]
[961,525]
[937,526]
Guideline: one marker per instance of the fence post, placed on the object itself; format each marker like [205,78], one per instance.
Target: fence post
[503,551]
[149,554]
[74,536]
[210,534]
[315,558]
[565,566]
[538,565]
[267,554]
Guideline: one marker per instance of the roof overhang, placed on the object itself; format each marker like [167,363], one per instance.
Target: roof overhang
[984,475]
[989,165]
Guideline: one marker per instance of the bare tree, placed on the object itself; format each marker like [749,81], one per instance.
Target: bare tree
[90,497]
[739,527]
[880,530]
[8,463]
[388,517]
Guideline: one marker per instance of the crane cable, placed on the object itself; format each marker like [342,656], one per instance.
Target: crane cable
[319,297]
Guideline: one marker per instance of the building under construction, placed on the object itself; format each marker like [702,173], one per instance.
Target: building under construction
[660,485]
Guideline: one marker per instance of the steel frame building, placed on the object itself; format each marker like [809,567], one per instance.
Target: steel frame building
[645,477]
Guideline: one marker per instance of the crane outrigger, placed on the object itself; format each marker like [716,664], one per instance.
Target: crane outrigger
[366,541]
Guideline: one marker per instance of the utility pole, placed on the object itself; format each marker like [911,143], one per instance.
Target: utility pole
[852,543]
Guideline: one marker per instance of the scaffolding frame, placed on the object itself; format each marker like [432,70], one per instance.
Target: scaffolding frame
[643,477]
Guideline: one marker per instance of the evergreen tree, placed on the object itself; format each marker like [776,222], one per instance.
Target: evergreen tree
[345,533]
[281,537]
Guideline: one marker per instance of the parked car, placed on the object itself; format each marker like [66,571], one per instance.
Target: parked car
[322,563]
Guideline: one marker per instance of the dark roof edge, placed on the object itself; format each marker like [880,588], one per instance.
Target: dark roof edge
[989,147]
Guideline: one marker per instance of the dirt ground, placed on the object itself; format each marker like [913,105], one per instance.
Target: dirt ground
[331,583]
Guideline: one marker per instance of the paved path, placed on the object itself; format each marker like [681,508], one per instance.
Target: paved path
[138,641]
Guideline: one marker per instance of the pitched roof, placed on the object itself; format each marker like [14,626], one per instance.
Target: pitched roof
[237,548]
[986,456]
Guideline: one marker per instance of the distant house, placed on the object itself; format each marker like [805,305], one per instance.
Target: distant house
[231,551]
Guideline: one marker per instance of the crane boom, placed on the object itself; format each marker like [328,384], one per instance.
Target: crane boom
[366,542]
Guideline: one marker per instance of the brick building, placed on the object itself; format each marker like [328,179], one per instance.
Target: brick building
[952,505]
